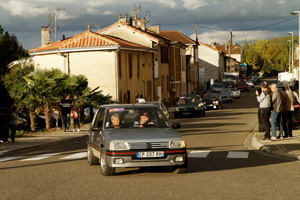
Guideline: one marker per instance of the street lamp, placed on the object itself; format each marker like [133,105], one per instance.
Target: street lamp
[289,55]
[295,13]
[291,33]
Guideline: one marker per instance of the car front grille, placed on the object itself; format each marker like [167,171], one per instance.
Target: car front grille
[149,145]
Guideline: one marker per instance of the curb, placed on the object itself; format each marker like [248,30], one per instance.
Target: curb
[252,143]
[41,146]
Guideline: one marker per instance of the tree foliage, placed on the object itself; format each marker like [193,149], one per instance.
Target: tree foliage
[10,50]
[40,91]
[270,55]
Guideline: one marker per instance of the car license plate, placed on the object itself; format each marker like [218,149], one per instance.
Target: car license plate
[186,113]
[150,154]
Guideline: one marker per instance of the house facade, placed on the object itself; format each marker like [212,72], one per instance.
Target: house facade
[211,65]
[111,63]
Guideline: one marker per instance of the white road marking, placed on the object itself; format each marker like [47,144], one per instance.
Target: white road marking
[9,158]
[76,156]
[41,157]
[198,154]
[235,154]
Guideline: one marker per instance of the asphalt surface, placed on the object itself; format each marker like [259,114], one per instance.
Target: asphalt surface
[223,164]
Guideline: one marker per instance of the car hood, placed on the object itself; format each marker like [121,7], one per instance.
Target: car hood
[187,105]
[143,134]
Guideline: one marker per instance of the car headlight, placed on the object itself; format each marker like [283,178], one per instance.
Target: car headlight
[174,144]
[196,108]
[121,146]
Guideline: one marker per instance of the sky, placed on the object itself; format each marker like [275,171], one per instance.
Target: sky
[247,19]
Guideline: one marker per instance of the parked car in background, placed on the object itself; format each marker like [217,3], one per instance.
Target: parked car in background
[236,92]
[226,95]
[160,105]
[212,101]
[226,84]
[231,84]
[134,136]
[189,105]
[243,86]
[217,87]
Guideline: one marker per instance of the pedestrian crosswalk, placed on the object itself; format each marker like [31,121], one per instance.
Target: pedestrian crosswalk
[81,155]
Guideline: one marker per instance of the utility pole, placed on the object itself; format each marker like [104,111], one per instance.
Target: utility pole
[55,26]
[229,43]
[197,34]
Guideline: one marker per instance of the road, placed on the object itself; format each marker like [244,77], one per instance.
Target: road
[220,167]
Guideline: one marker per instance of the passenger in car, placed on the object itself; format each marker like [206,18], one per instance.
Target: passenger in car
[144,119]
[115,119]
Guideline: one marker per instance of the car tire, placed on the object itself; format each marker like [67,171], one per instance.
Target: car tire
[92,160]
[105,169]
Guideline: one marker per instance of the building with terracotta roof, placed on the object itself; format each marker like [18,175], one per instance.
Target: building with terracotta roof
[211,65]
[169,78]
[121,68]
[191,56]
[231,51]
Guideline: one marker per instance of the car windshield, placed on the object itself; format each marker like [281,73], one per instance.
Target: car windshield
[142,117]
[218,85]
[188,100]
[210,96]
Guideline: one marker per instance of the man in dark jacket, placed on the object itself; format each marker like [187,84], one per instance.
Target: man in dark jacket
[276,114]
[66,105]
[5,113]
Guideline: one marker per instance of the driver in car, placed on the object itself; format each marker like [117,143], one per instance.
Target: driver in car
[144,119]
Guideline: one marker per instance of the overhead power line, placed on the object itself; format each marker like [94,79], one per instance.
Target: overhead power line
[246,29]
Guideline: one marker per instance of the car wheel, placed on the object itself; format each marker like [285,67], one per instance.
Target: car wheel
[92,160]
[105,169]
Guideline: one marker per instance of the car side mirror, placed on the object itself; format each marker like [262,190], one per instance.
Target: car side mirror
[176,125]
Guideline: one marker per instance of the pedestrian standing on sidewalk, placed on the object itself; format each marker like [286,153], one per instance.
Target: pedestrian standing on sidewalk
[264,99]
[76,118]
[5,113]
[286,106]
[66,105]
[276,112]
[287,122]
[15,119]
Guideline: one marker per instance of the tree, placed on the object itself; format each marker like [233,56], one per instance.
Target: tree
[10,50]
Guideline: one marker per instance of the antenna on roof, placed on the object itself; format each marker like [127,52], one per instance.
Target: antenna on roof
[136,10]
[55,17]
[148,13]
[98,26]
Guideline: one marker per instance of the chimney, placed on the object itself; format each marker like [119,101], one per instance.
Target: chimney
[133,20]
[155,29]
[123,19]
[45,36]
[143,24]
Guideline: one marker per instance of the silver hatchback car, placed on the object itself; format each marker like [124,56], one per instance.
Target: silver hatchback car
[134,136]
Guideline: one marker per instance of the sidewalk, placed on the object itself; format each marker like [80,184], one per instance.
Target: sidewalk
[286,147]
[35,141]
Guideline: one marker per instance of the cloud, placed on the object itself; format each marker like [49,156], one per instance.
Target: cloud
[281,2]
[194,4]
[23,9]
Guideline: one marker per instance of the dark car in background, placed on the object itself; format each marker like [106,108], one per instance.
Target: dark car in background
[189,105]
[243,86]
[132,141]
[226,95]
[212,101]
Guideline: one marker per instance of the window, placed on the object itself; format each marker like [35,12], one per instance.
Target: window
[149,90]
[120,65]
[162,83]
[164,54]
[130,65]
[138,66]
[99,119]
